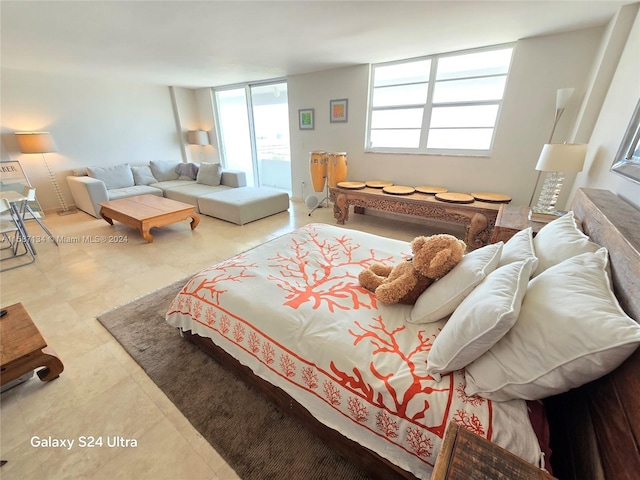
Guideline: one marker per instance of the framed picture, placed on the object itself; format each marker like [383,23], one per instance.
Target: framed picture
[12,177]
[305,118]
[627,161]
[338,110]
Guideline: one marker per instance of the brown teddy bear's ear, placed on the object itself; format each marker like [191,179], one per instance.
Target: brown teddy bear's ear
[441,263]
[418,243]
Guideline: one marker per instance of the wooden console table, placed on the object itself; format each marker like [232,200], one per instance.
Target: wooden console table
[23,349]
[478,218]
[511,219]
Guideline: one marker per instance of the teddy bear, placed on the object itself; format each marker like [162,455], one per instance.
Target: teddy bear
[433,257]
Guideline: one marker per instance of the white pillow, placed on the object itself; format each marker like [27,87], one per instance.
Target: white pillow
[164,171]
[482,319]
[443,296]
[143,176]
[209,174]
[519,247]
[571,330]
[559,240]
[117,176]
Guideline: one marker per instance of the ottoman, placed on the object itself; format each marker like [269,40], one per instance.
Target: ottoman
[243,205]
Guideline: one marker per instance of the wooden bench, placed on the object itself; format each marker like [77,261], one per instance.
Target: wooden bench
[478,218]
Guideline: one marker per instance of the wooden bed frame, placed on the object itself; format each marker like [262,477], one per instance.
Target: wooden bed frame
[595,429]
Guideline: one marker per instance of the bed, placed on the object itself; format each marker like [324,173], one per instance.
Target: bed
[290,318]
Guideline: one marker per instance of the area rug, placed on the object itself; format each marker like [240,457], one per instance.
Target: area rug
[253,436]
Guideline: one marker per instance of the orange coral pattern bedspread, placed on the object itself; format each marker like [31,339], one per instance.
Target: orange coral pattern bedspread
[293,311]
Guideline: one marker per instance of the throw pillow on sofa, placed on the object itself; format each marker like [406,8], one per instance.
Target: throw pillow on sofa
[117,176]
[187,171]
[143,176]
[164,171]
[210,174]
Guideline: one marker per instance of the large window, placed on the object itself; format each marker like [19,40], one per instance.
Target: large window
[445,104]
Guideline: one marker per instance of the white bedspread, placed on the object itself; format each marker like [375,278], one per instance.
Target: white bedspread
[292,310]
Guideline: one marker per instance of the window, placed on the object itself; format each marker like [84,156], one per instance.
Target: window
[445,104]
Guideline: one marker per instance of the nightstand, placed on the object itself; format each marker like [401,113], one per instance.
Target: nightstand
[510,220]
[22,348]
[467,456]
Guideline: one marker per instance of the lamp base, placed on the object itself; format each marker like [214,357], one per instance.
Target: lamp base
[544,216]
[67,212]
[548,197]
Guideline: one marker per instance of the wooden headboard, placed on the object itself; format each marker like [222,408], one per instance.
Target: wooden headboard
[595,429]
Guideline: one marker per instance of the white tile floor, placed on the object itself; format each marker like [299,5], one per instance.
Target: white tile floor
[102,391]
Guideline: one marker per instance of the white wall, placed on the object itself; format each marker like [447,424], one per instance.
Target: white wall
[194,111]
[315,90]
[621,99]
[94,122]
[540,67]
[207,122]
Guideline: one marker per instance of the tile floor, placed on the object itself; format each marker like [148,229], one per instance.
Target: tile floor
[102,391]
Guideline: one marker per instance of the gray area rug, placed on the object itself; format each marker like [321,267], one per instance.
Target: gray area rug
[253,436]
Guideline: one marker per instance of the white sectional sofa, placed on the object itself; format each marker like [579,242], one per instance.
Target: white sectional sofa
[212,190]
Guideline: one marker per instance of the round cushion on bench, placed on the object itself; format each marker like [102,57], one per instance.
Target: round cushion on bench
[243,205]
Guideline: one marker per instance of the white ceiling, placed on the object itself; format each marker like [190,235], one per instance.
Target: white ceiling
[213,43]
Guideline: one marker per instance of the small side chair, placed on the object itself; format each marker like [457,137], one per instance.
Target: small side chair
[14,234]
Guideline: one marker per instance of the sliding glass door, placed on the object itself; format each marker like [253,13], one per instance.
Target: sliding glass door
[235,134]
[253,123]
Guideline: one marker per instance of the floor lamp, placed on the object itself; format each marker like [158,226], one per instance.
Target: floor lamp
[42,142]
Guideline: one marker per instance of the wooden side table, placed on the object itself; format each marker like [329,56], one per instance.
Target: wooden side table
[22,348]
[510,220]
[467,456]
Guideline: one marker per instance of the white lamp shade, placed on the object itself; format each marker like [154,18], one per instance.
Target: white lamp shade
[36,142]
[562,97]
[562,157]
[198,137]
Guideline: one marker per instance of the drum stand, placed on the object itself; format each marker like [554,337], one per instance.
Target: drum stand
[325,199]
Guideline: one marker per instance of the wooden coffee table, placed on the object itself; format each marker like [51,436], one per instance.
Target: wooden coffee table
[147,211]
[23,349]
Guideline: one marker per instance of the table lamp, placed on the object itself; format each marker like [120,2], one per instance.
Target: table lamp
[557,159]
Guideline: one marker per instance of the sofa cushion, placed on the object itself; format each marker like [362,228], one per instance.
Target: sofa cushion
[191,192]
[209,174]
[243,205]
[164,170]
[117,176]
[171,184]
[142,175]
[118,193]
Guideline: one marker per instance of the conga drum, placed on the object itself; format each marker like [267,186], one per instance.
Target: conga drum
[318,167]
[337,168]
